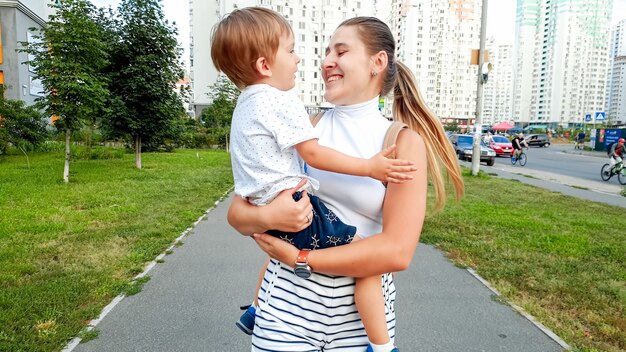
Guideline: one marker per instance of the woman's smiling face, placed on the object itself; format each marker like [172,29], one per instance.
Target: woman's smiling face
[347,68]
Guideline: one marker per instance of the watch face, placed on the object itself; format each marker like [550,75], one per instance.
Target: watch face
[303,271]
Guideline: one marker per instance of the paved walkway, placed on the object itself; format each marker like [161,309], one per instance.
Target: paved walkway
[190,303]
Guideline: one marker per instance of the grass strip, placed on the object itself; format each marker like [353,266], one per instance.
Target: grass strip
[560,258]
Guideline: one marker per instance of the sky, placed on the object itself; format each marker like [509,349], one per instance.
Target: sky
[500,18]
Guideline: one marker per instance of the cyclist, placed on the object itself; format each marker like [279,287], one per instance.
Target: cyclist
[488,139]
[617,153]
[518,143]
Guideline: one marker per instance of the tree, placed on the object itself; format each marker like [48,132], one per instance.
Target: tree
[144,68]
[20,125]
[68,56]
[451,127]
[218,116]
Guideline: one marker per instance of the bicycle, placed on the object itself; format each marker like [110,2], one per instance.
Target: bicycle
[618,169]
[521,157]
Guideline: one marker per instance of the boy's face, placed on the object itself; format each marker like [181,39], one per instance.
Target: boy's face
[285,64]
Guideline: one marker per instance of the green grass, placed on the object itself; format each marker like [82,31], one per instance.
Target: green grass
[67,249]
[558,257]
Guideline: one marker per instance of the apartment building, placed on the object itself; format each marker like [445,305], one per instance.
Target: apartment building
[16,17]
[616,87]
[435,39]
[498,91]
[313,22]
[561,60]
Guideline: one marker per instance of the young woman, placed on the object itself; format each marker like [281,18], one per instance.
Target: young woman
[319,313]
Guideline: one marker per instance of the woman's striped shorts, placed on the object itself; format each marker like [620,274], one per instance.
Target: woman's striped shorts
[314,314]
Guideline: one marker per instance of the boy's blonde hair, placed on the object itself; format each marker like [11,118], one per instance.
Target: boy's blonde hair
[242,37]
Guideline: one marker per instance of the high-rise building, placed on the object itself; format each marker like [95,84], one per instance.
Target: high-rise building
[498,90]
[616,87]
[16,19]
[312,21]
[561,60]
[435,39]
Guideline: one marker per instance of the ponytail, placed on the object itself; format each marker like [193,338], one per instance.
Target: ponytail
[409,107]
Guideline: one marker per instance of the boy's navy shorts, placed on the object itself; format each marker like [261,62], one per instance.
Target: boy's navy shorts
[326,229]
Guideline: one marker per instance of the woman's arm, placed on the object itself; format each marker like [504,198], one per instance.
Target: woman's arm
[393,249]
[283,213]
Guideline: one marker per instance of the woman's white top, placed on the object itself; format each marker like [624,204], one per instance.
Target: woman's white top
[356,130]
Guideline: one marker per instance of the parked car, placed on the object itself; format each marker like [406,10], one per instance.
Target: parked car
[502,146]
[464,147]
[537,140]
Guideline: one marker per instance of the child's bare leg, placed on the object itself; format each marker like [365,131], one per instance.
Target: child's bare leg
[368,296]
[369,300]
[260,282]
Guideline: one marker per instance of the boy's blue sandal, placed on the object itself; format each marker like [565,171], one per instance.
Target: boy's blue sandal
[369,349]
[246,320]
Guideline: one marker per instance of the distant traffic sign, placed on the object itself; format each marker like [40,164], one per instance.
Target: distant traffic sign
[600,116]
[588,118]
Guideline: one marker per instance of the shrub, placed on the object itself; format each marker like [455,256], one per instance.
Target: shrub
[97,153]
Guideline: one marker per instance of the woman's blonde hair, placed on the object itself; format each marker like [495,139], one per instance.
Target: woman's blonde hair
[409,107]
[242,37]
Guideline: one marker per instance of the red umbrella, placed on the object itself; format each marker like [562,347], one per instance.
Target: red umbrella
[502,126]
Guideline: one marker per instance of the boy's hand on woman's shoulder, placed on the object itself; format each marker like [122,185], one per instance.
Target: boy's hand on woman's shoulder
[390,170]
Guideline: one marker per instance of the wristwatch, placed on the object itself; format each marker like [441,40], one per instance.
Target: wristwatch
[302,268]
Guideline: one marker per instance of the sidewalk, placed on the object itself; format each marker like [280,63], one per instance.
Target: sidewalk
[569,148]
[191,303]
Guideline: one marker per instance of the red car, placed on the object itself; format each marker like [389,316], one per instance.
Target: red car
[502,146]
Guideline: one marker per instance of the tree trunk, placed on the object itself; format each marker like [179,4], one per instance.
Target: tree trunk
[66,168]
[89,138]
[26,155]
[138,152]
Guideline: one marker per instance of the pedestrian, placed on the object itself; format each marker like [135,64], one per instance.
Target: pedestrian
[319,313]
[580,140]
[270,128]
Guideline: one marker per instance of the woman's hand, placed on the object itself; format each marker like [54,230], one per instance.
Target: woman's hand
[277,248]
[283,213]
[286,214]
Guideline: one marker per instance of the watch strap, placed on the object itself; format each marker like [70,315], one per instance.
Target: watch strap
[303,256]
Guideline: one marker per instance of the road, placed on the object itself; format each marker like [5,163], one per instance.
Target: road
[559,163]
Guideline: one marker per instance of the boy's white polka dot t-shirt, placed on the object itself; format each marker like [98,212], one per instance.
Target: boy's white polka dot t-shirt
[267,124]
